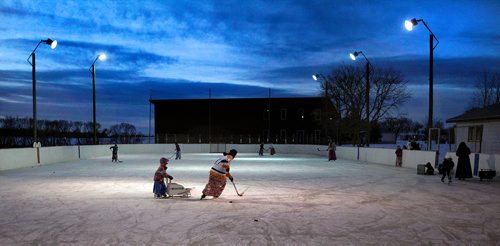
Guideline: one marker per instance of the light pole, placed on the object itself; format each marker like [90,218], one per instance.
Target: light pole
[317,77]
[101,57]
[367,92]
[409,24]
[53,44]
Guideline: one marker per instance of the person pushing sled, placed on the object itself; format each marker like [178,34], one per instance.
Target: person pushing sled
[161,190]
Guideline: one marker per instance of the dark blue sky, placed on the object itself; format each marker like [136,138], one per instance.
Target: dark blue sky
[180,49]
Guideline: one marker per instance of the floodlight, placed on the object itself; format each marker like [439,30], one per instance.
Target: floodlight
[102,57]
[409,24]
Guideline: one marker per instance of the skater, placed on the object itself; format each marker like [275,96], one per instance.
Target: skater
[261,149]
[272,151]
[218,174]
[177,151]
[399,156]
[331,151]
[464,169]
[114,153]
[159,187]
[446,168]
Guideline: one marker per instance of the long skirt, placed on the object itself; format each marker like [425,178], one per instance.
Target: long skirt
[216,185]
[331,155]
[160,188]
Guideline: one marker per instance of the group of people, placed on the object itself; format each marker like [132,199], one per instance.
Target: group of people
[463,170]
[271,149]
[218,175]
[220,171]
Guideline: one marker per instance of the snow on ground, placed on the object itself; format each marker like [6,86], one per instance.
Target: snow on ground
[288,200]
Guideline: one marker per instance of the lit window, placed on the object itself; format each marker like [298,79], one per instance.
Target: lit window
[300,114]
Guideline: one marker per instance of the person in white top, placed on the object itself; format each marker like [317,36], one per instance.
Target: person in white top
[218,175]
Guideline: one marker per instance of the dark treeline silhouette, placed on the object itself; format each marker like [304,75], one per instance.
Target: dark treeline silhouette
[18,132]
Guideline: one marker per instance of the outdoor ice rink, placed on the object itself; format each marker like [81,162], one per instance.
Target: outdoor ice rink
[288,200]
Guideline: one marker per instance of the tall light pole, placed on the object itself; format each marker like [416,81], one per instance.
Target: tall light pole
[101,57]
[317,77]
[53,44]
[409,24]
[367,92]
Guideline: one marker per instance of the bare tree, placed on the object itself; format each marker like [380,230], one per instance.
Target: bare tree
[346,89]
[396,125]
[124,133]
[487,90]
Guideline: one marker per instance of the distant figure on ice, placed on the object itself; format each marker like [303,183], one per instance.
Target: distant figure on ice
[331,151]
[177,151]
[159,187]
[399,156]
[446,168]
[114,153]
[464,169]
[261,149]
[218,174]
[272,151]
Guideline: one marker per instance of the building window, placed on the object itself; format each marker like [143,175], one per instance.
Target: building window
[283,114]
[317,136]
[301,114]
[300,136]
[475,133]
[266,114]
[317,114]
[283,136]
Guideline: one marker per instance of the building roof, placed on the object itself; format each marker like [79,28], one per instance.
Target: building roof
[491,112]
[242,99]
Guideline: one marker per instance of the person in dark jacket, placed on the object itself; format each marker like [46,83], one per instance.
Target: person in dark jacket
[114,153]
[261,149]
[446,168]
[464,169]
[177,151]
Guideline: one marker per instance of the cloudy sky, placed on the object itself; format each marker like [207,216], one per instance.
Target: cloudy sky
[180,49]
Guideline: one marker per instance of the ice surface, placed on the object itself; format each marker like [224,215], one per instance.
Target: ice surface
[288,200]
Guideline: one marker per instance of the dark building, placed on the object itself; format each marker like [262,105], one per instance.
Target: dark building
[249,120]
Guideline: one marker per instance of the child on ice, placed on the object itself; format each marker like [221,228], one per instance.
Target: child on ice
[159,188]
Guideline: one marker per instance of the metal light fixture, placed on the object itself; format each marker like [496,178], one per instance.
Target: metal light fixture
[354,55]
[53,44]
[409,24]
[101,57]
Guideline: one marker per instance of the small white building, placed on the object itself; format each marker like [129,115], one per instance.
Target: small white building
[479,129]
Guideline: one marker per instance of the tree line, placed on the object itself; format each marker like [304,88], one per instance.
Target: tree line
[18,132]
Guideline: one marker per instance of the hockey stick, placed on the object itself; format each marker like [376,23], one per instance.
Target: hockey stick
[237,189]
[322,149]
[171,156]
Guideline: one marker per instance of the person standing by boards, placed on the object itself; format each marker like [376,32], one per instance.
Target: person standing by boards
[177,151]
[331,151]
[114,153]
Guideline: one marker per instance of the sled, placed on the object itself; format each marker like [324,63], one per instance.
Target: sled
[177,190]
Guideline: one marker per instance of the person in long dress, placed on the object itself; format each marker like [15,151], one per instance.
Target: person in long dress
[464,169]
[331,151]
[219,173]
